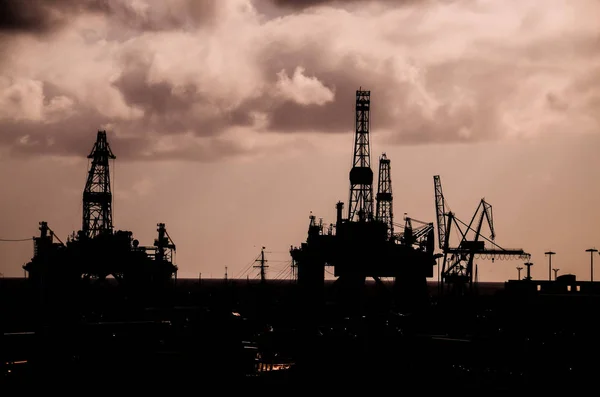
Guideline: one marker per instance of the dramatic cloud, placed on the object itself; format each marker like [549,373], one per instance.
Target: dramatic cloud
[42,16]
[37,15]
[205,79]
[301,4]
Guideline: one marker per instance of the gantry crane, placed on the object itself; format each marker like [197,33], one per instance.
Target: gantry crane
[457,265]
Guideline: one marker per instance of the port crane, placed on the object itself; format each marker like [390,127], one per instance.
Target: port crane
[457,265]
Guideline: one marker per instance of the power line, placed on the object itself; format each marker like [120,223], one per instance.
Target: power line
[15,240]
[283,272]
[247,268]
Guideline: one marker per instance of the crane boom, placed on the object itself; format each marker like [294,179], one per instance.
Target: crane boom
[458,263]
[440,210]
[487,209]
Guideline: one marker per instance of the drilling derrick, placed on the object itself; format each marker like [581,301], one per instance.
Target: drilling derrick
[97,197]
[384,196]
[361,175]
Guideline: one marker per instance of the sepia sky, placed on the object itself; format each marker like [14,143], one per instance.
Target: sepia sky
[232,120]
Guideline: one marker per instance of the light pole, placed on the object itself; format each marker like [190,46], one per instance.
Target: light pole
[555,273]
[519,268]
[591,251]
[528,264]
[549,253]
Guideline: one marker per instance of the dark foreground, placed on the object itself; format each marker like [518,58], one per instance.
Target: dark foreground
[247,337]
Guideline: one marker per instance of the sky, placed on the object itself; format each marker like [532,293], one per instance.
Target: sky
[232,120]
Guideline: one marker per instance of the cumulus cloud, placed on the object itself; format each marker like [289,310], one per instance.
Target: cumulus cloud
[178,80]
[21,99]
[302,89]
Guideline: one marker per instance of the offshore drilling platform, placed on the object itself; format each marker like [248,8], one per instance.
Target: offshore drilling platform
[248,334]
[97,251]
[363,244]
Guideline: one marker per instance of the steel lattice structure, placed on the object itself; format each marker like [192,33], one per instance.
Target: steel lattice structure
[97,196]
[384,211]
[361,175]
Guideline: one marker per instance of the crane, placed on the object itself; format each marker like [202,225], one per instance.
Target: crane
[457,265]
[420,236]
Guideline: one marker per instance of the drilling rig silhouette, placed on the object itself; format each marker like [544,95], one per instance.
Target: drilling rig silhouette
[363,244]
[97,251]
